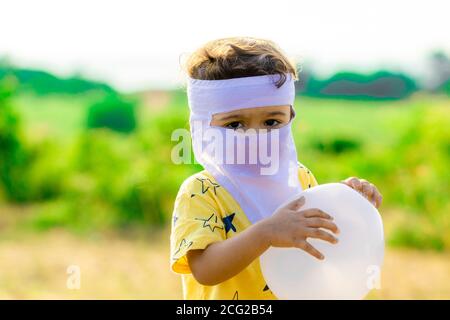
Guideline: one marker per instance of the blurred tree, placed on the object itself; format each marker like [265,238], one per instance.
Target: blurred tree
[113,112]
[380,85]
[42,83]
[13,156]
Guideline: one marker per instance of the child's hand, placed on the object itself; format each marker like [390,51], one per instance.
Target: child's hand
[289,227]
[366,188]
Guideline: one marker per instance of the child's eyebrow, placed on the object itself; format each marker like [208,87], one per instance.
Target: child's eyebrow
[276,113]
[240,116]
[232,116]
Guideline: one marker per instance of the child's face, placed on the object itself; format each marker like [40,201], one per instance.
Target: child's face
[254,118]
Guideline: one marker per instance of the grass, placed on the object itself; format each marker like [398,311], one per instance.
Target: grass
[34,266]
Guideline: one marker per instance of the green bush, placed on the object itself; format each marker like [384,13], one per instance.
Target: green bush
[28,172]
[113,112]
[335,145]
[14,157]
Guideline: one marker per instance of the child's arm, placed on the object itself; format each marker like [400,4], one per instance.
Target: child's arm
[288,227]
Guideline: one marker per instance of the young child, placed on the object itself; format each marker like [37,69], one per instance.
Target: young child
[227,215]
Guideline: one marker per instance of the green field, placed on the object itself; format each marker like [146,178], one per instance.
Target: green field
[401,146]
[81,185]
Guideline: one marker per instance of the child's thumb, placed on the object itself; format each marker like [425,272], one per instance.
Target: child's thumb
[297,203]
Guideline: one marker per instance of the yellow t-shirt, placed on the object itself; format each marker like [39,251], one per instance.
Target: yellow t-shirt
[204,213]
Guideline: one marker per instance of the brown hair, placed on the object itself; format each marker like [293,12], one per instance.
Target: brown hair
[238,57]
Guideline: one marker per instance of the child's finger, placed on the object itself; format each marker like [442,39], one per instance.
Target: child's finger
[320,234]
[354,182]
[304,245]
[296,204]
[315,212]
[377,198]
[367,189]
[322,223]
[380,200]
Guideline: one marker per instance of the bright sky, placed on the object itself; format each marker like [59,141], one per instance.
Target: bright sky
[137,44]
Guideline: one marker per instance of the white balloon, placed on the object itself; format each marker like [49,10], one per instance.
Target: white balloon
[351,267]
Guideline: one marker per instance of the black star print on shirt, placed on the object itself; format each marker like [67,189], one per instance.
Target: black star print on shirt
[228,223]
[236,296]
[211,223]
[184,244]
[207,183]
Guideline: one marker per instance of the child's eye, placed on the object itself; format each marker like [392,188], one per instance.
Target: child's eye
[271,122]
[234,125]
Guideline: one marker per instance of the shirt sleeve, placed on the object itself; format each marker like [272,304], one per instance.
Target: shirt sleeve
[306,177]
[196,223]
